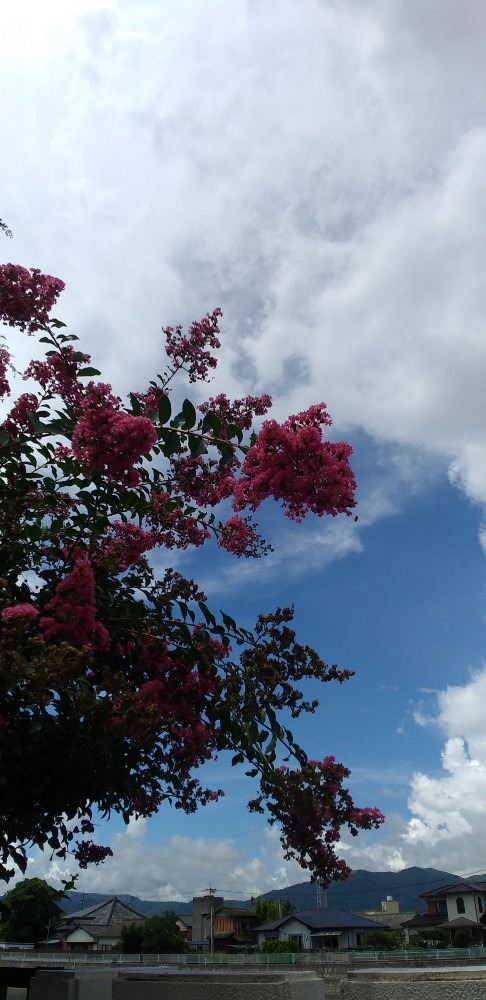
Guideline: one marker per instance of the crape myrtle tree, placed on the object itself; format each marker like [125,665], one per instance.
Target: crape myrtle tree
[118,682]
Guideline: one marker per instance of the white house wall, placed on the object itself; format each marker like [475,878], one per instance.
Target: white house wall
[79,935]
[471,908]
[346,938]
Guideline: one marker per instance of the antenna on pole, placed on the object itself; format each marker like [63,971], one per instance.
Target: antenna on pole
[321,895]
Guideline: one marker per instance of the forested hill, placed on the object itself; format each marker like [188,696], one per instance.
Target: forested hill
[364,890]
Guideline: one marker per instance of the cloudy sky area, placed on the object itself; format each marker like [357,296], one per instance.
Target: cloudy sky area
[318,169]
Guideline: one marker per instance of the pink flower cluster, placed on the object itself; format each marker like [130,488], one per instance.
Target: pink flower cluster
[58,374]
[237,411]
[205,481]
[18,417]
[4,362]
[109,440]
[71,613]
[292,463]
[172,527]
[89,853]
[315,791]
[19,611]
[191,352]
[124,545]
[150,399]
[240,538]
[27,296]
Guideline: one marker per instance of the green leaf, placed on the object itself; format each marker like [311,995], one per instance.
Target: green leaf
[226,452]
[235,431]
[88,371]
[171,442]
[34,420]
[4,437]
[197,446]
[210,619]
[211,422]
[190,415]
[165,409]
[228,621]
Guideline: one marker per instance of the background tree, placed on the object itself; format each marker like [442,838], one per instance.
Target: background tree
[131,939]
[124,679]
[161,934]
[384,940]
[429,937]
[32,911]
[271,909]
[275,947]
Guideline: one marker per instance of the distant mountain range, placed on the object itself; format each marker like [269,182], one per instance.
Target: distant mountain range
[363,891]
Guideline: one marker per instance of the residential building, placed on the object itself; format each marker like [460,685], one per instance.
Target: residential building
[389,916]
[97,928]
[454,907]
[320,930]
[231,928]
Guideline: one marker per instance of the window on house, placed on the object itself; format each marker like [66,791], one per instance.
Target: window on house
[460,905]
[297,940]
[480,904]
[442,906]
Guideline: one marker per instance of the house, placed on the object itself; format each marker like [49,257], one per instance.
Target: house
[97,928]
[228,928]
[455,907]
[321,929]
[389,916]
[184,923]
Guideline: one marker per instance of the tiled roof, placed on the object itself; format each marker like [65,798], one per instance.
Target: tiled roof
[326,918]
[425,920]
[392,920]
[111,912]
[454,887]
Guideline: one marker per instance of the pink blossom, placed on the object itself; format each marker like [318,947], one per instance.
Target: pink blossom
[151,398]
[240,537]
[190,352]
[124,545]
[71,613]
[58,374]
[27,296]
[18,417]
[239,411]
[171,526]
[292,463]
[4,362]
[19,611]
[204,480]
[108,440]
[89,853]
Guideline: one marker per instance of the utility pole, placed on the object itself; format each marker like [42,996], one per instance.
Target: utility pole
[211,920]
[321,895]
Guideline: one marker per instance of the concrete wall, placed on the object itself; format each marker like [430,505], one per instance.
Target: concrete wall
[48,984]
[115,985]
[446,984]
[82,984]
[219,986]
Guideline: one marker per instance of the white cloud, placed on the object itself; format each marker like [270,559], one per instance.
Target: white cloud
[320,173]
[176,868]
[448,810]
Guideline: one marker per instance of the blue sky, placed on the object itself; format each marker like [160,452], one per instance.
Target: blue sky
[317,169]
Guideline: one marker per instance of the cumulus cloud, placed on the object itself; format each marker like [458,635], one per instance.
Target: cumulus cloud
[176,868]
[448,809]
[320,174]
